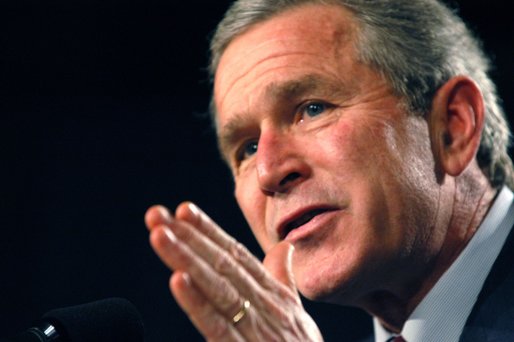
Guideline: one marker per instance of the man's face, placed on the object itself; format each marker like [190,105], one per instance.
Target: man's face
[324,156]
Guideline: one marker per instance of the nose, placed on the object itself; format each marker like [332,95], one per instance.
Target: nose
[281,163]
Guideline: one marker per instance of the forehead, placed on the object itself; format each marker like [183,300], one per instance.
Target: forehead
[302,34]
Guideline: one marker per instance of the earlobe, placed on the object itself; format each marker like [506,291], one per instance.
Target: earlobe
[456,121]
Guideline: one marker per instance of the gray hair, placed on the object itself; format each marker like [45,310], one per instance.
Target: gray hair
[417,45]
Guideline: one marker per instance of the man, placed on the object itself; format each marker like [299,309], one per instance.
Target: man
[366,136]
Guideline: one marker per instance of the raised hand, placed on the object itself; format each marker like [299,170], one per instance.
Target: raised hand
[227,293]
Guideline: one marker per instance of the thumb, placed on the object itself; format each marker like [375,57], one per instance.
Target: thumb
[278,262]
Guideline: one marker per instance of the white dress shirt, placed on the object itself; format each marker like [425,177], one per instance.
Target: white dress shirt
[443,312]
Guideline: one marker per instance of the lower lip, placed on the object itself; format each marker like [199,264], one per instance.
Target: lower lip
[318,223]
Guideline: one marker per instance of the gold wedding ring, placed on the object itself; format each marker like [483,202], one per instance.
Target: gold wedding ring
[241,313]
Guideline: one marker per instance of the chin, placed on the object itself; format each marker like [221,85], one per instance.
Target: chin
[317,295]
[336,285]
[317,286]
[344,294]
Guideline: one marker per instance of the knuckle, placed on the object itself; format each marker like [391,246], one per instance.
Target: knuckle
[243,256]
[239,251]
[223,264]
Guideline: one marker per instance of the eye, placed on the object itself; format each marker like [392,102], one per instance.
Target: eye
[247,150]
[313,109]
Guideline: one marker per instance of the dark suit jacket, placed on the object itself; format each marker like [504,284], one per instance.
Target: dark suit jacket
[492,317]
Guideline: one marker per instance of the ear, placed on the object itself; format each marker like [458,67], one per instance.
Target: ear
[456,123]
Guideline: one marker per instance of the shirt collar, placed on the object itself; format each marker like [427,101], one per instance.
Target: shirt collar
[443,312]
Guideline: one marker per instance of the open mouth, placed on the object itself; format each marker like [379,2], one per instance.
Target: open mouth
[300,221]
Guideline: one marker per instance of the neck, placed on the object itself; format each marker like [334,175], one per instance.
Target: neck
[466,200]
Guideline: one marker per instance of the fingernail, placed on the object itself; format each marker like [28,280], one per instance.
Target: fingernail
[193,209]
[170,235]
[187,278]
[165,214]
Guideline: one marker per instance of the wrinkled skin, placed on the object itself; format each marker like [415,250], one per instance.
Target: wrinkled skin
[356,154]
[326,161]
[215,274]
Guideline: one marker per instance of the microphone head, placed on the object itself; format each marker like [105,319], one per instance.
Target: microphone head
[107,320]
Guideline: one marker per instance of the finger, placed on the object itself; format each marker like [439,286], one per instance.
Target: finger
[178,256]
[266,301]
[249,327]
[265,298]
[212,325]
[157,215]
[191,213]
[218,259]
[186,251]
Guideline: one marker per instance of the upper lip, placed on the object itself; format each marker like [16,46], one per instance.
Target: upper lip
[297,217]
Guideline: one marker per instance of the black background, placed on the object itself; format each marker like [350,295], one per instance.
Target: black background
[103,114]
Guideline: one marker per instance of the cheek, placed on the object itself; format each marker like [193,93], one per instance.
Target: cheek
[350,152]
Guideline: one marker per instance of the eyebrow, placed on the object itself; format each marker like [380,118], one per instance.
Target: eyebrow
[290,91]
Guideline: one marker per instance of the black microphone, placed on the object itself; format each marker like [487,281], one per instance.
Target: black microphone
[107,320]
